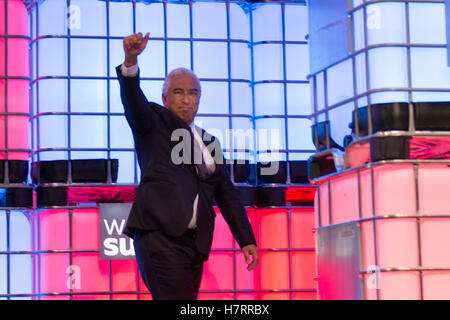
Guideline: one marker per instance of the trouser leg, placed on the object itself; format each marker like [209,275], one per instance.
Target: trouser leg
[171,268]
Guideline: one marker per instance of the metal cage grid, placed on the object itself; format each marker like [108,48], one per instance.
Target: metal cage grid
[9,286]
[249,154]
[10,290]
[6,77]
[109,293]
[37,150]
[360,71]
[325,217]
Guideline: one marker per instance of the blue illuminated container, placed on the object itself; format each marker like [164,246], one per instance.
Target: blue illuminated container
[397,53]
[281,91]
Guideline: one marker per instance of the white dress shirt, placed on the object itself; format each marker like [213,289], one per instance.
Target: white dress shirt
[209,161]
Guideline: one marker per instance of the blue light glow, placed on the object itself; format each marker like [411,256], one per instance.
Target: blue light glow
[269,99]
[241,98]
[149,18]
[340,82]
[339,121]
[91,20]
[21,278]
[429,69]
[210,60]
[151,62]
[88,57]
[427,21]
[3,232]
[124,13]
[267,23]
[385,23]
[20,232]
[214,98]
[268,62]
[209,20]
[3,274]
[388,69]
[88,95]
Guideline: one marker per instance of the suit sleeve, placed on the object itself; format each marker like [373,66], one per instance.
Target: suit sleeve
[229,203]
[137,108]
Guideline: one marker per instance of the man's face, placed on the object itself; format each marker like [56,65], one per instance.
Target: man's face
[183,97]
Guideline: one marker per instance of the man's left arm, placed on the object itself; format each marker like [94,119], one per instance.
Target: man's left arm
[229,203]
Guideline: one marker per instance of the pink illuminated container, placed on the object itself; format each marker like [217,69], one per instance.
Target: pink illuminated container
[397,213]
[68,265]
[67,260]
[14,81]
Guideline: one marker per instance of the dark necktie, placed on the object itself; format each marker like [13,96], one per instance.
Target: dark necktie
[199,160]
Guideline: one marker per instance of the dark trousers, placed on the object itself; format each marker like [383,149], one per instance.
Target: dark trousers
[171,268]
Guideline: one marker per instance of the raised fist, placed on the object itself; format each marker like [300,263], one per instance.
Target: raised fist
[134,45]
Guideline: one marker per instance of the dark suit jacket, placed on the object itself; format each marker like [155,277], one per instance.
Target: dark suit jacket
[164,199]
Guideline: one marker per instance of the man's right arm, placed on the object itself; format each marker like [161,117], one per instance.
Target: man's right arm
[136,106]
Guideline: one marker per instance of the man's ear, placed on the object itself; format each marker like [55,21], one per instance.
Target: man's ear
[163,99]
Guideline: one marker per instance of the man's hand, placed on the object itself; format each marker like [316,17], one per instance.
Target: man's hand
[250,250]
[133,46]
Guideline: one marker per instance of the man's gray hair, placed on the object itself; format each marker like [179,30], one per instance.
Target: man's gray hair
[176,72]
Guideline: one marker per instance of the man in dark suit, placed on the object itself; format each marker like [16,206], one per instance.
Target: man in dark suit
[172,218]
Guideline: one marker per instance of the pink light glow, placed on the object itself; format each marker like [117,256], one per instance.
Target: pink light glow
[85,230]
[366,194]
[399,285]
[52,272]
[271,266]
[368,246]
[54,230]
[18,25]
[18,58]
[267,219]
[436,284]
[397,243]
[434,234]
[324,204]
[124,275]
[394,190]
[218,272]
[17,96]
[344,199]
[94,273]
[17,137]
[434,193]
[303,269]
